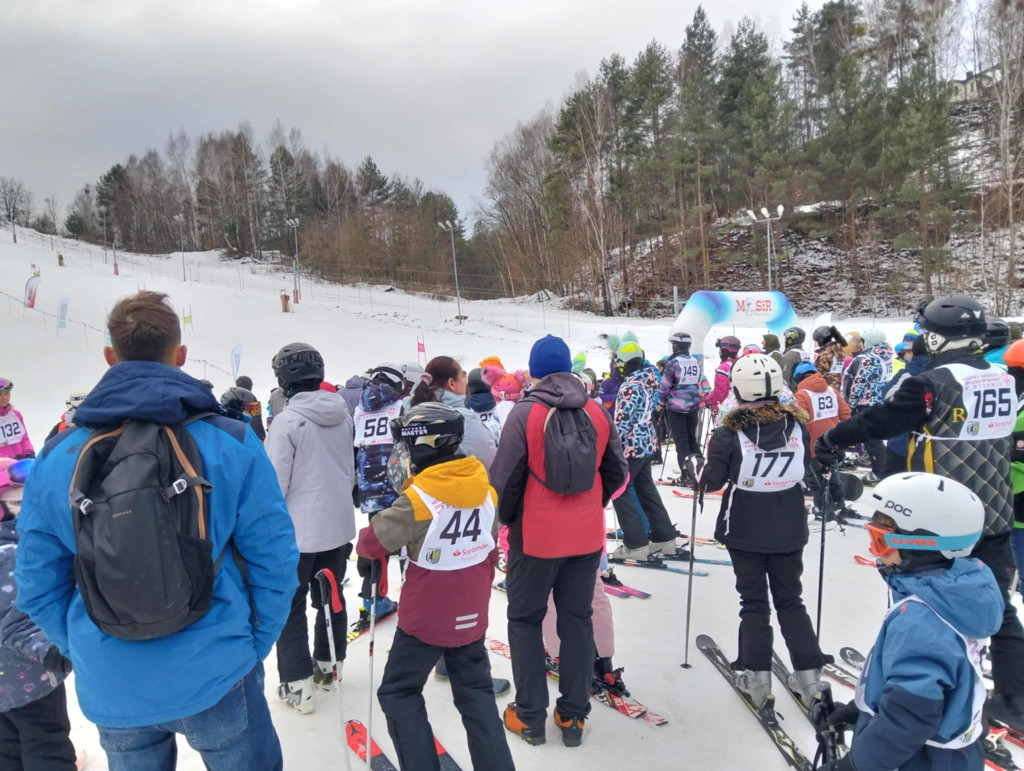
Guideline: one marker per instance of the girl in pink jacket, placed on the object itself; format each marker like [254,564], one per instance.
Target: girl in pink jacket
[14,441]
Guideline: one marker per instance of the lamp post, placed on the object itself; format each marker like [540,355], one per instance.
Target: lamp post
[450,228]
[180,219]
[293,223]
[103,211]
[768,220]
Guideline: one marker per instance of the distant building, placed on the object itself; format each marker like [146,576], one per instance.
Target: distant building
[972,87]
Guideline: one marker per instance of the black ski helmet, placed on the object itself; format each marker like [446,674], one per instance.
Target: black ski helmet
[236,397]
[297,362]
[822,335]
[794,336]
[955,317]
[997,334]
[426,433]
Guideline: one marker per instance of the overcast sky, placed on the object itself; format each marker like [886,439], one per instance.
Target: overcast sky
[425,86]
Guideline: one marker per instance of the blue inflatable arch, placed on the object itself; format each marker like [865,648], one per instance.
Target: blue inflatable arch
[703,310]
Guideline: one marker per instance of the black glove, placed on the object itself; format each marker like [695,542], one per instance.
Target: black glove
[843,764]
[29,454]
[825,450]
[843,716]
[54,662]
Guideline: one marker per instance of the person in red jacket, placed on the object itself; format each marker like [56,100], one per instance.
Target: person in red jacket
[826,407]
[445,518]
[555,540]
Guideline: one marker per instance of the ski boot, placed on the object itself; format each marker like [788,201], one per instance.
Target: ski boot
[806,685]
[871,479]
[1005,710]
[609,678]
[323,674]
[662,547]
[611,579]
[996,750]
[385,607]
[639,554]
[572,729]
[526,733]
[757,685]
[298,694]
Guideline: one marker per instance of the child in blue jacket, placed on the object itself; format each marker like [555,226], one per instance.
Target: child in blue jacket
[921,695]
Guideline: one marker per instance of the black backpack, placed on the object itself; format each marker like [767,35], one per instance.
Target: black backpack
[570,449]
[139,503]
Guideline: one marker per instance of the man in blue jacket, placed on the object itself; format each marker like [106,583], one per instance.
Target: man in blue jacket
[206,680]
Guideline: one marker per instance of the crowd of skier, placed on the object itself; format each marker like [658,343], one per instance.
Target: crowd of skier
[198,537]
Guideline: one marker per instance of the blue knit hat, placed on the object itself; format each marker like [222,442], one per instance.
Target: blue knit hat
[549,354]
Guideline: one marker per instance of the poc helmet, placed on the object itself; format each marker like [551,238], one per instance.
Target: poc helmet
[932,514]
[755,376]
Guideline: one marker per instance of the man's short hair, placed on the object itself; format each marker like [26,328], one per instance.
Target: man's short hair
[143,327]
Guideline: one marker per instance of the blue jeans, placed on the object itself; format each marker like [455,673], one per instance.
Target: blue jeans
[235,734]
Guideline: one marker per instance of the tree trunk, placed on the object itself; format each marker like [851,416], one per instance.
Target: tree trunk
[700,219]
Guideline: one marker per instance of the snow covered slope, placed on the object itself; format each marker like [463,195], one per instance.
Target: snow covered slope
[708,726]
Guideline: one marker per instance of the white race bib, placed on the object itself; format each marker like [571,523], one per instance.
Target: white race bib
[805,356]
[768,471]
[837,366]
[989,400]
[457,538]
[689,371]
[824,404]
[374,428]
[12,430]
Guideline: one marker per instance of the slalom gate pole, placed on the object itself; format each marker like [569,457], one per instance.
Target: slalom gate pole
[373,629]
[330,596]
[689,587]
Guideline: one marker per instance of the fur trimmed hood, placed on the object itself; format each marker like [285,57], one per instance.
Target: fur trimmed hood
[753,414]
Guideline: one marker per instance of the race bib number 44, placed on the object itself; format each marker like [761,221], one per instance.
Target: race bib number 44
[765,471]
[12,430]
[458,537]
[990,402]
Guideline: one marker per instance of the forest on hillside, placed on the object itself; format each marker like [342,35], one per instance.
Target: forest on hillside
[889,130]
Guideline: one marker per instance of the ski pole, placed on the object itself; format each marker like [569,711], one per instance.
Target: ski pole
[664,460]
[373,626]
[689,587]
[827,500]
[331,598]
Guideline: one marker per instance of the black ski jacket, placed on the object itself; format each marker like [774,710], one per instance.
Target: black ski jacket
[751,519]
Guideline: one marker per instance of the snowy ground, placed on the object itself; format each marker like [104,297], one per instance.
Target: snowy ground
[708,726]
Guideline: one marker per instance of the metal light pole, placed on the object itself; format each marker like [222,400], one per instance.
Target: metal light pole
[103,211]
[180,219]
[293,223]
[768,220]
[448,226]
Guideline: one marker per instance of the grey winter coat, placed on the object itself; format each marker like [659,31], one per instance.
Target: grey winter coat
[311,447]
[477,439]
[353,392]
[23,678]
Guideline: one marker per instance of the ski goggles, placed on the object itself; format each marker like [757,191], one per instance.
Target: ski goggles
[880,546]
[5,385]
[15,474]
[400,432]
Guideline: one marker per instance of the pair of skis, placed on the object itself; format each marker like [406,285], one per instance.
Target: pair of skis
[625,705]
[656,564]
[355,734]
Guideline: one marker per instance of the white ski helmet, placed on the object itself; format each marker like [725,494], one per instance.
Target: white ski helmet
[755,376]
[932,513]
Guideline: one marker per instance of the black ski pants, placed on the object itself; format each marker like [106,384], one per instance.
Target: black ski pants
[641,500]
[293,661]
[571,580]
[755,573]
[365,568]
[813,481]
[401,698]
[36,737]
[875,448]
[893,463]
[1007,645]
[684,434]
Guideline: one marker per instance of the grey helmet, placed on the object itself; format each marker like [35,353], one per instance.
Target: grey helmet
[297,362]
